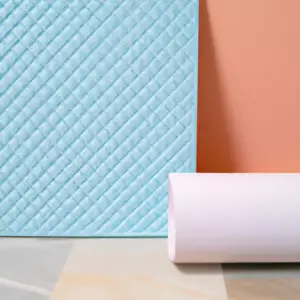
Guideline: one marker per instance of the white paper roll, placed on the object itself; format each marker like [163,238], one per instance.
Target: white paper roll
[215,218]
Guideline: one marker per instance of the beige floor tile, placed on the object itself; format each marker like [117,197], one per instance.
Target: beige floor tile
[262,281]
[130,269]
[263,289]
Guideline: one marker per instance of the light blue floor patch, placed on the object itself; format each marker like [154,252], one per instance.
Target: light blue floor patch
[98,105]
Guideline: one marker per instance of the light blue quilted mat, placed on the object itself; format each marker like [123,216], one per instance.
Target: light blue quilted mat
[98,105]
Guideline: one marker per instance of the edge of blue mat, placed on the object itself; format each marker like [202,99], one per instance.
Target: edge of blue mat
[110,235]
[195,113]
[195,122]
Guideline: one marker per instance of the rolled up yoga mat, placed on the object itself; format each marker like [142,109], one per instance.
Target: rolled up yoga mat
[217,218]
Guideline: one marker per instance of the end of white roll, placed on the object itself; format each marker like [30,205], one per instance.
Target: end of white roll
[234,217]
[171,224]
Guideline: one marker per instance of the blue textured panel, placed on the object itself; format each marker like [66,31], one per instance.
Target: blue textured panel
[98,104]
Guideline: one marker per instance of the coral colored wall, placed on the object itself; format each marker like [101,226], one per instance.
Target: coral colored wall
[249,86]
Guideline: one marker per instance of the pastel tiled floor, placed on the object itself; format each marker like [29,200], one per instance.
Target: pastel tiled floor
[262,281]
[129,269]
[136,269]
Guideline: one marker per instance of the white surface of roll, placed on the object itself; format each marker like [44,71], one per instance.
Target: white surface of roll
[234,218]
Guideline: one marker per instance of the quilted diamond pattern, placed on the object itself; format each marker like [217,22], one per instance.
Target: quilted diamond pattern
[97,107]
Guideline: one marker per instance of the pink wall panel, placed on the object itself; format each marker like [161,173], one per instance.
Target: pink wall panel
[249,86]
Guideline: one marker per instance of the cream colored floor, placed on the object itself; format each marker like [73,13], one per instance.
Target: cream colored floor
[129,269]
[137,269]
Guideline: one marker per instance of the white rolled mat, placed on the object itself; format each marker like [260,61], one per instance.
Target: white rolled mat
[215,218]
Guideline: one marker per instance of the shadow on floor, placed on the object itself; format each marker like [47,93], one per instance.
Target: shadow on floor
[263,270]
[259,270]
[191,269]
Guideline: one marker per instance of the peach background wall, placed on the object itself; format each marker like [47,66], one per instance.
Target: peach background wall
[249,86]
